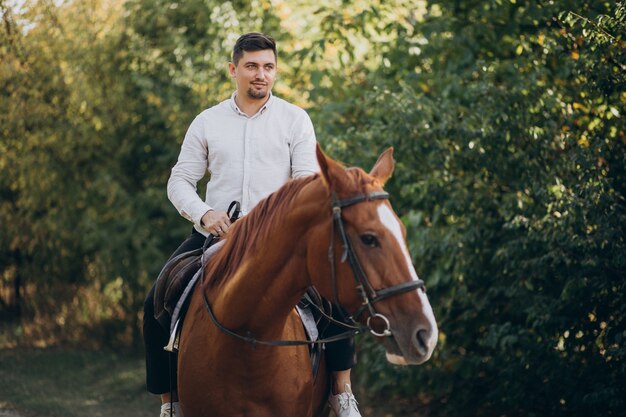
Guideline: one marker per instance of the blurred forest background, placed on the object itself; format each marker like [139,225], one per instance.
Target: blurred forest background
[507,117]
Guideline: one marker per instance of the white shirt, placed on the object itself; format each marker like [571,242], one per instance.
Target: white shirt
[248,158]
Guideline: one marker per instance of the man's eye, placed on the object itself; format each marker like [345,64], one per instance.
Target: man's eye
[370,240]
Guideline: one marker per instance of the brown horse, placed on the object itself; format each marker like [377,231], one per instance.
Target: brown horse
[268,260]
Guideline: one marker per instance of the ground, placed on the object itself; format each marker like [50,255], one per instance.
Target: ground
[7,411]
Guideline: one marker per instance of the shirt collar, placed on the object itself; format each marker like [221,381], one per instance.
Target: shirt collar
[262,110]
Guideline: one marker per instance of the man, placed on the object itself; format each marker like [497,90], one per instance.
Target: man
[251,144]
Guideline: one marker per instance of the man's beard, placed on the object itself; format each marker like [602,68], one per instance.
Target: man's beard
[256,94]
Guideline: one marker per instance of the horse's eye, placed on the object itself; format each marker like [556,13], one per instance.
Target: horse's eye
[370,240]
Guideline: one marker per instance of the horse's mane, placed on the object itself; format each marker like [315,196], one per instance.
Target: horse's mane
[252,230]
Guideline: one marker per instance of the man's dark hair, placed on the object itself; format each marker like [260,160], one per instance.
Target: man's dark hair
[253,41]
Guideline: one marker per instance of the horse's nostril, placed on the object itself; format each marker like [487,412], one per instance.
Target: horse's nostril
[420,341]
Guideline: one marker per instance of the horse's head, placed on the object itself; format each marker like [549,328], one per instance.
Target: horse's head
[372,276]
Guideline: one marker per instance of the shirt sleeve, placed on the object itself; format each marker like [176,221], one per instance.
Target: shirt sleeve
[191,166]
[302,149]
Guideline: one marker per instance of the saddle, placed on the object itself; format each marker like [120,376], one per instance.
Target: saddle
[171,283]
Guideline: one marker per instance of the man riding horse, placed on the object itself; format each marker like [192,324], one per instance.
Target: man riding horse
[251,144]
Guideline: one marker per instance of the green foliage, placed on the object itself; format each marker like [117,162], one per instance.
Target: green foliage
[507,119]
[510,150]
[96,101]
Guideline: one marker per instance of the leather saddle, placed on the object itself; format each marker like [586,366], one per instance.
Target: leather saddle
[172,281]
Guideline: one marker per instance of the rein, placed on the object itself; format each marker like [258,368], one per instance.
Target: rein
[364,287]
[254,341]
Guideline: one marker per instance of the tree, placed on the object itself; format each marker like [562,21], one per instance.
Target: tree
[506,123]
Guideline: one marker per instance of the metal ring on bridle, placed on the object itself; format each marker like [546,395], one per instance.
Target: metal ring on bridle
[386,332]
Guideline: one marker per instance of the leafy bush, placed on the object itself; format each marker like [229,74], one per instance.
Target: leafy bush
[511,152]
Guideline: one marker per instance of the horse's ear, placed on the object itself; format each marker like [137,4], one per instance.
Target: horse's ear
[383,168]
[332,171]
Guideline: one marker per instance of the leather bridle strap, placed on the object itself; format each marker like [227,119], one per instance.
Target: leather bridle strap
[390,292]
[364,287]
[348,252]
[346,202]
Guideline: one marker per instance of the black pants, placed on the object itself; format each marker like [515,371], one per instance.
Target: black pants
[340,355]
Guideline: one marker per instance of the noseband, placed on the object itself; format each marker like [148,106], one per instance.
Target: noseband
[368,293]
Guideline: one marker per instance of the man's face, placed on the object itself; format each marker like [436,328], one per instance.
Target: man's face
[255,73]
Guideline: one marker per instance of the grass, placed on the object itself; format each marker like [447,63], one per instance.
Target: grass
[75,383]
[56,382]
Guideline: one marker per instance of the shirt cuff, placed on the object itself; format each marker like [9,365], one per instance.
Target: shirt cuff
[196,211]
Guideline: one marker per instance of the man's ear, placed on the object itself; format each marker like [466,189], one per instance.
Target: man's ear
[232,69]
[334,173]
[383,168]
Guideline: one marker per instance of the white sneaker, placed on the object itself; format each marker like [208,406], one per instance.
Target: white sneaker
[171,410]
[344,404]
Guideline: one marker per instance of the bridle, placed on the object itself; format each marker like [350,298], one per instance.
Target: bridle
[368,293]
[365,289]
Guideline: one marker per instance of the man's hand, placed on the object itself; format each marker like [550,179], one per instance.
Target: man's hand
[215,222]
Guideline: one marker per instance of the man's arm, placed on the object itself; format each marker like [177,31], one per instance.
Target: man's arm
[191,166]
[302,148]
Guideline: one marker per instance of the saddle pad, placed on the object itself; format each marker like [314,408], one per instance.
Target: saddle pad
[208,254]
[308,321]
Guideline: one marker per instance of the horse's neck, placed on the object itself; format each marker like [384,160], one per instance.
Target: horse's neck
[271,280]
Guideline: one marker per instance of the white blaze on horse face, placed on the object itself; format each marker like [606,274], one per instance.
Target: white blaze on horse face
[389,220]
